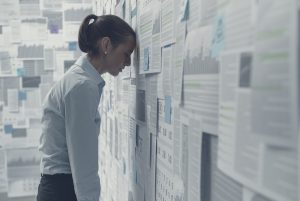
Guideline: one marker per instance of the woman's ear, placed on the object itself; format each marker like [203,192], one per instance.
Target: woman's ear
[106,45]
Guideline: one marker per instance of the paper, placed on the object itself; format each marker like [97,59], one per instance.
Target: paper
[20,72]
[150,39]
[22,95]
[31,81]
[133,4]
[194,16]
[151,99]
[3,176]
[167,22]
[54,17]
[238,15]
[120,9]
[23,171]
[168,109]
[209,9]
[13,100]
[190,157]
[37,27]
[44,89]
[150,183]
[9,8]
[194,159]
[228,116]
[167,68]
[70,31]
[280,172]
[201,78]
[49,62]
[273,102]
[73,14]
[145,40]
[10,82]
[164,174]
[246,150]
[249,195]
[146,59]
[183,13]
[52,4]
[60,58]
[141,105]
[32,52]
[72,46]
[141,155]
[5,37]
[15,26]
[5,63]
[216,185]
[19,133]
[68,64]
[47,78]
[33,67]
[156,38]
[236,139]
[33,100]
[30,8]
[218,37]
[177,70]
[8,128]
[1,116]
[177,143]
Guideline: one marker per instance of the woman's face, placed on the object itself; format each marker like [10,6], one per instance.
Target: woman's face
[119,57]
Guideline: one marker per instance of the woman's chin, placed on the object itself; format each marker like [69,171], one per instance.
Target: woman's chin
[114,73]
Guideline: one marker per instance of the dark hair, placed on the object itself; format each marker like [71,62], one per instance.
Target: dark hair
[103,26]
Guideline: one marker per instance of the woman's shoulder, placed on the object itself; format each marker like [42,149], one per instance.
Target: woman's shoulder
[81,86]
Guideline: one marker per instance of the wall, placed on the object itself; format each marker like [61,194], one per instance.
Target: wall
[38,43]
[209,108]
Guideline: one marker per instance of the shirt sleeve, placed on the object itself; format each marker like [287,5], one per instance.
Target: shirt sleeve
[82,132]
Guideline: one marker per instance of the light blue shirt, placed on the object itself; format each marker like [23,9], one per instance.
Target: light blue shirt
[70,129]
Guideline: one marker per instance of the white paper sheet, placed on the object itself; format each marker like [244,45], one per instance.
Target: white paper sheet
[34,29]
[168,20]
[201,78]
[13,100]
[23,171]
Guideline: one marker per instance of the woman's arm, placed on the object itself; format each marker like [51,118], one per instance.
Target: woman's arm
[81,105]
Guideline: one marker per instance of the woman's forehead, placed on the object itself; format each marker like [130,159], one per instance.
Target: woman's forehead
[129,44]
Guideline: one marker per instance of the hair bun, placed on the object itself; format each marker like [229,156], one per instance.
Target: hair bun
[83,37]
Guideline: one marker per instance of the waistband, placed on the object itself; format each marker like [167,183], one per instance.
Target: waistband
[59,175]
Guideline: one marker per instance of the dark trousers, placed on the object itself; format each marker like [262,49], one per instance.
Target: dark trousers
[58,187]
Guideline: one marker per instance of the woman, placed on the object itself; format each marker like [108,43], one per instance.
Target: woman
[70,122]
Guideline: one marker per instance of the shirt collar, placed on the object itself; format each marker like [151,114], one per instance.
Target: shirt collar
[85,64]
